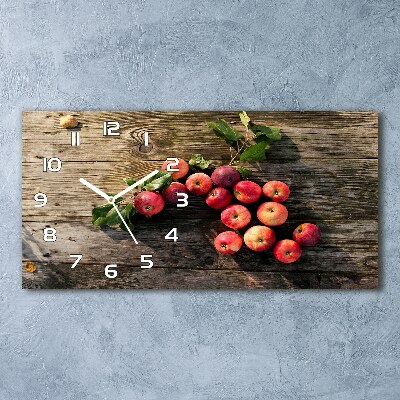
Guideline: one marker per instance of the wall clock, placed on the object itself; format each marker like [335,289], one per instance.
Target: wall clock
[77,161]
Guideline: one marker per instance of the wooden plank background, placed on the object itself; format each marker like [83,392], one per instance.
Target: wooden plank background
[329,159]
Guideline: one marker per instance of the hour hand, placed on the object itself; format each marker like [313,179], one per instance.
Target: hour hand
[95,189]
[139,182]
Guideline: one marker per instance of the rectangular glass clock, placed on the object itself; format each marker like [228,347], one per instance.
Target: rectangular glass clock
[199,200]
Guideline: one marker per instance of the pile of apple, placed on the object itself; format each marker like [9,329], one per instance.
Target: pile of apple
[221,189]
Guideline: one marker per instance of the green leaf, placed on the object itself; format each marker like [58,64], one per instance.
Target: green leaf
[106,215]
[129,210]
[256,152]
[262,138]
[244,118]
[129,181]
[100,211]
[225,131]
[159,181]
[197,160]
[127,213]
[113,217]
[272,134]
[101,221]
[244,172]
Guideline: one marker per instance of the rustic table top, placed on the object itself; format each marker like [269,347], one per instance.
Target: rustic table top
[329,160]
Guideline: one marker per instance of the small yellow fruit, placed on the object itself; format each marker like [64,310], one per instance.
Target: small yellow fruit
[30,267]
[68,121]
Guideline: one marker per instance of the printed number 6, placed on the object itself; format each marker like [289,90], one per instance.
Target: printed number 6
[110,271]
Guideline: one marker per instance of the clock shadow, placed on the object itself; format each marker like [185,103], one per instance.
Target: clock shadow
[328,264]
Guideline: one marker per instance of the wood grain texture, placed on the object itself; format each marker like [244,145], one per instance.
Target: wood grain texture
[329,159]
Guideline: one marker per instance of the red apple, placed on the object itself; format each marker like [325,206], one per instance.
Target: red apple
[149,203]
[170,193]
[225,176]
[247,191]
[307,234]
[199,183]
[236,216]
[219,198]
[272,213]
[287,251]
[259,238]
[182,166]
[228,242]
[276,191]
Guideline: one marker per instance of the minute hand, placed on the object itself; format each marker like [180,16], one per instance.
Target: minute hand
[139,182]
[95,189]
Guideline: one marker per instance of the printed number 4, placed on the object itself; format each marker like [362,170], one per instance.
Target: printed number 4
[172,235]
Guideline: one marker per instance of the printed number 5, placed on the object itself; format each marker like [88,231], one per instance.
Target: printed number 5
[146,259]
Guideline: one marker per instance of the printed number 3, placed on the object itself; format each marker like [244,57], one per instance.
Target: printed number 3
[182,199]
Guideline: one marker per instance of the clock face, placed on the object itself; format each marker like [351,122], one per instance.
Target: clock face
[96,213]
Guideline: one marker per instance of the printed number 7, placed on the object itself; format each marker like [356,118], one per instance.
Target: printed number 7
[78,258]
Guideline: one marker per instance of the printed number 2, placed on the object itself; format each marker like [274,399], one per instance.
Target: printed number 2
[174,162]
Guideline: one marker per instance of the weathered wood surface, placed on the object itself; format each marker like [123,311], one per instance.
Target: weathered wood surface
[329,159]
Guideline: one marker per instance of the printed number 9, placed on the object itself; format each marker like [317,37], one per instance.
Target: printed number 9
[40,198]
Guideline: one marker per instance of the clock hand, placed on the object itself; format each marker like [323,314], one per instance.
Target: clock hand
[120,194]
[124,222]
[139,182]
[95,189]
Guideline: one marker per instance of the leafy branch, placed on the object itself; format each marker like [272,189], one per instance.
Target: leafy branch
[106,215]
[251,146]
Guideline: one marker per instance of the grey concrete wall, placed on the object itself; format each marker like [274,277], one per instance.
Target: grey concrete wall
[203,54]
